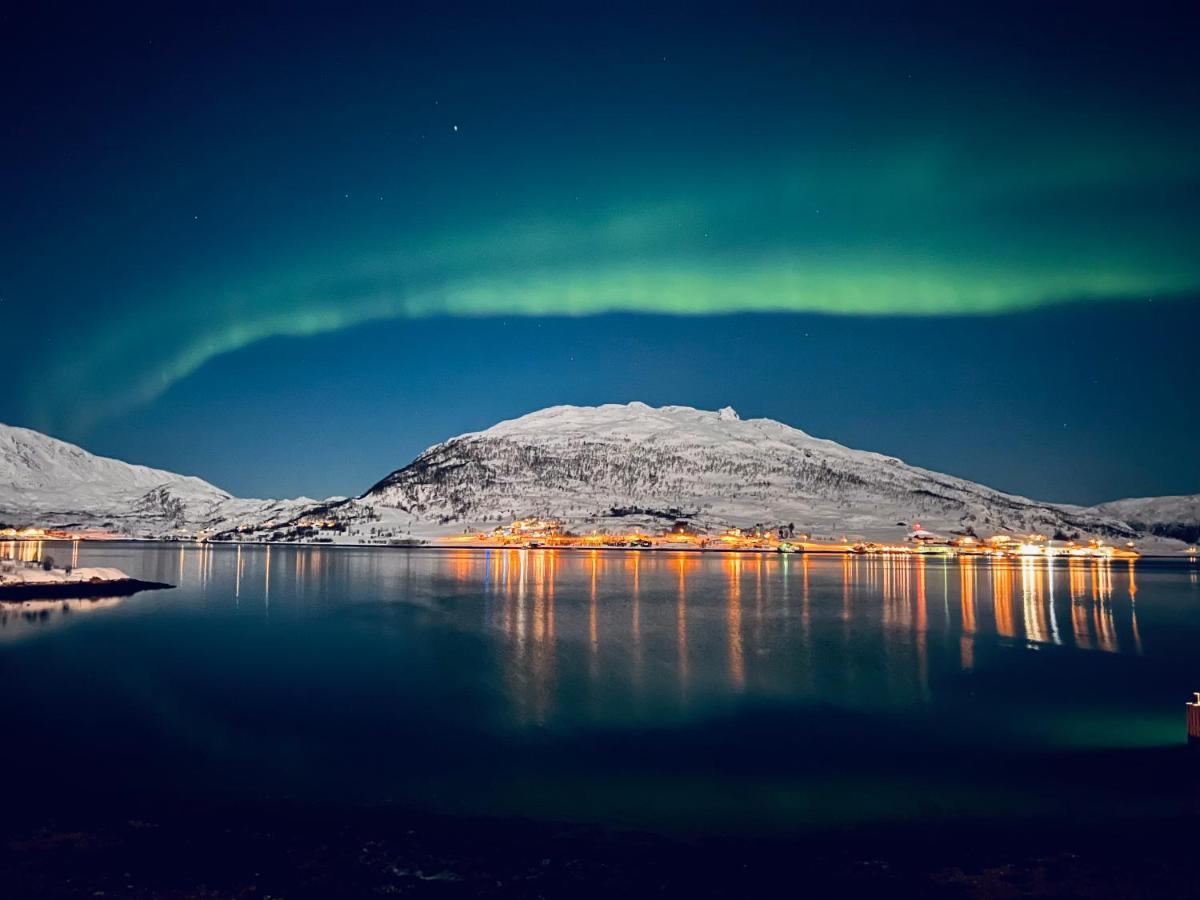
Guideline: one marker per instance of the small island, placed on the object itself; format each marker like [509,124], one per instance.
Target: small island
[44,581]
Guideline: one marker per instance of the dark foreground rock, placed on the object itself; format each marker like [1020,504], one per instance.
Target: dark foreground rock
[306,853]
[79,590]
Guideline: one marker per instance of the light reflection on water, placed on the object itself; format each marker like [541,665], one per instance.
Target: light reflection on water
[320,650]
[619,605]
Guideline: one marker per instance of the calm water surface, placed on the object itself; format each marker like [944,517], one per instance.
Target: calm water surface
[717,692]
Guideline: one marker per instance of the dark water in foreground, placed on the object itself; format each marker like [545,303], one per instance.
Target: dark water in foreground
[719,692]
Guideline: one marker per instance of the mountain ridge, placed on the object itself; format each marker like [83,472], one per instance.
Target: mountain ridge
[596,467]
[1175,516]
[583,463]
[51,483]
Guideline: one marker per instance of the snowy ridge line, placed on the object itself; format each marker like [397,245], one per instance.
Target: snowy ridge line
[589,465]
[618,465]
[54,484]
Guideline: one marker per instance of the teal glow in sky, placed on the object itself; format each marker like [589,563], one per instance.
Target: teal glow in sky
[179,192]
[915,235]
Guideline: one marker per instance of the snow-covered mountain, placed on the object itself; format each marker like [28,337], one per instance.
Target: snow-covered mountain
[50,483]
[1170,517]
[593,466]
[613,466]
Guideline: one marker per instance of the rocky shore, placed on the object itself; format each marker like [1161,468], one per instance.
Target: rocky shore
[38,581]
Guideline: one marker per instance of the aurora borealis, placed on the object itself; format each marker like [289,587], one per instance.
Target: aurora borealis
[185,193]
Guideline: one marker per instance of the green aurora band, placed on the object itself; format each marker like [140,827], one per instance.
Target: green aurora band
[876,163]
[771,286]
[919,244]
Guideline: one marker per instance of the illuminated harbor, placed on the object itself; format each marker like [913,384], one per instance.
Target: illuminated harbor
[552,534]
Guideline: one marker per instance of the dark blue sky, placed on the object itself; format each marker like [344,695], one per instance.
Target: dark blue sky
[287,248]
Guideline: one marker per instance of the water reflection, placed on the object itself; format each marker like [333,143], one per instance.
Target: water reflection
[22,551]
[657,631]
[638,617]
[681,644]
[966,573]
[733,619]
[26,618]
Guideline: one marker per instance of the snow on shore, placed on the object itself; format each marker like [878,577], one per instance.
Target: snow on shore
[12,574]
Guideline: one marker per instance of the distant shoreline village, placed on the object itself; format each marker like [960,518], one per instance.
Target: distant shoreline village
[612,477]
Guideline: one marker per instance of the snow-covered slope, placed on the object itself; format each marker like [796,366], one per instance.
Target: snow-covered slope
[612,466]
[593,465]
[1171,517]
[50,483]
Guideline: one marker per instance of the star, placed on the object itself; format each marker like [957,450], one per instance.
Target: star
[456,128]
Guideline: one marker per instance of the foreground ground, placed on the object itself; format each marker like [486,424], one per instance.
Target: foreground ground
[286,852]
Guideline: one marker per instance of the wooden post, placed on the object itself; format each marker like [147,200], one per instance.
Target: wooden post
[1193,720]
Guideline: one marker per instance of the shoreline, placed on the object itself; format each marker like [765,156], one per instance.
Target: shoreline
[282,848]
[78,590]
[432,544]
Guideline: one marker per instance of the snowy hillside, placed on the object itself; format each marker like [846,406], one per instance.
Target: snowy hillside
[609,467]
[1172,517]
[592,466]
[50,483]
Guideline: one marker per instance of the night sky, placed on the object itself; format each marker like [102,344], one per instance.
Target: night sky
[287,248]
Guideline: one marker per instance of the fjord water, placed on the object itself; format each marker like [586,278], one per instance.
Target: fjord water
[712,692]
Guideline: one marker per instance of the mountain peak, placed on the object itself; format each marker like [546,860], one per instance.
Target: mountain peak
[635,420]
[48,482]
[590,464]
[32,461]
